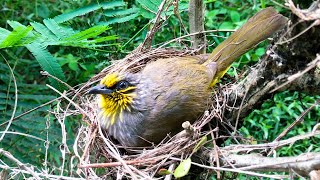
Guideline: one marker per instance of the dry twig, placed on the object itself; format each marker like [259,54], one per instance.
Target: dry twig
[19,163]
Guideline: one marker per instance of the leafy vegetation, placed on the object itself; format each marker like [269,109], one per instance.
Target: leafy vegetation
[276,114]
[73,40]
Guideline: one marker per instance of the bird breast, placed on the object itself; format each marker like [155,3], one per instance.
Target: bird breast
[169,92]
[174,90]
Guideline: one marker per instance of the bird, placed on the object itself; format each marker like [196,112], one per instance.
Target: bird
[140,109]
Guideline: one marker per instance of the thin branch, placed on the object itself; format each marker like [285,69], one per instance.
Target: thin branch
[15,99]
[45,175]
[147,41]
[23,134]
[86,148]
[315,23]
[45,73]
[215,148]
[307,15]
[68,99]
[141,162]
[246,148]
[115,154]
[31,110]
[303,164]
[235,170]
[293,77]
[177,14]
[20,164]
[196,24]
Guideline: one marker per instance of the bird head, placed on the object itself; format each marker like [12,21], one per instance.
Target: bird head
[116,95]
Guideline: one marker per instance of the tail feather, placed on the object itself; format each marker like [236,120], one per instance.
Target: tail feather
[256,29]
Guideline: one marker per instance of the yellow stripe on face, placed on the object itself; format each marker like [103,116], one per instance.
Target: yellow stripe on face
[110,80]
[127,89]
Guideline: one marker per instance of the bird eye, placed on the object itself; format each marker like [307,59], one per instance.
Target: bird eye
[122,85]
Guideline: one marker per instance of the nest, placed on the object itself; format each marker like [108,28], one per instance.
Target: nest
[96,150]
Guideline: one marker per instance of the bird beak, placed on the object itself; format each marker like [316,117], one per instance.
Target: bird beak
[100,89]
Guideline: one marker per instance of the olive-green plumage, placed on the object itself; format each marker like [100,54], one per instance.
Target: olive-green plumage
[143,108]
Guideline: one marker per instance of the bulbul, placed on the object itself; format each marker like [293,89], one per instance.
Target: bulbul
[142,108]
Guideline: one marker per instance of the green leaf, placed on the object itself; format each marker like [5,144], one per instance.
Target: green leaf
[150,5]
[149,8]
[119,19]
[81,39]
[202,141]
[103,39]
[88,33]
[164,172]
[183,168]
[85,10]
[73,66]
[47,62]
[260,51]
[58,30]
[15,37]
[4,33]
[44,31]
[235,16]
[226,25]
[121,12]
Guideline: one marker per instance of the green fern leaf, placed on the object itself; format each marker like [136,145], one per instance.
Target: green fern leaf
[81,39]
[121,12]
[44,31]
[85,10]
[29,37]
[150,5]
[103,39]
[47,62]
[15,36]
[119,19]
[149,8]
[15,24]
[88,33]
[60,31]
[4,33]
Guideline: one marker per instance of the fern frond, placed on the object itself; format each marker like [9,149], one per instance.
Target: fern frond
[58,30]
[47,62]
[4,33]
[119,19]
[150,5]
[121,12]
[44,31]
[103,39]
[15,24]
[149,8]
[84,10]
[16,36]
[81,39]
[88,33]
